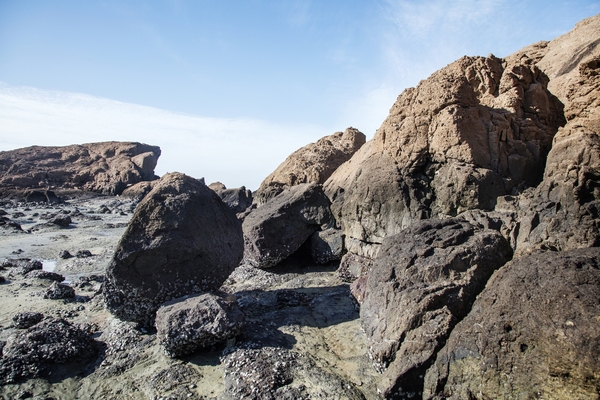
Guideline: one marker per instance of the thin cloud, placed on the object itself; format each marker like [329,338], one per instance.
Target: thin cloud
[234,151]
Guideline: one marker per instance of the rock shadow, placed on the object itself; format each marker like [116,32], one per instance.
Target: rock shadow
[268,310]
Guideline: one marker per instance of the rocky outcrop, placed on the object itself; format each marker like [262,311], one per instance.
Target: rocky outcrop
[277,229]
[313,163]
[562,213]
[423,282]
[106,167]
[190,324]
[533,332]
[326,246]
[477,129]
[35,351]
[181,240]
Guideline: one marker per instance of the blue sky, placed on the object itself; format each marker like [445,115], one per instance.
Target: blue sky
[229,88]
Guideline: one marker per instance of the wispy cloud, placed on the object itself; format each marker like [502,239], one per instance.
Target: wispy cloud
[234,151]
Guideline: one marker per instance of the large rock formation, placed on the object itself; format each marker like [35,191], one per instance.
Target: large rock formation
[182,239]
[563,211]
[313,163]
[477,129]
[107,167]
[423,282]
[276,230]
[533,333]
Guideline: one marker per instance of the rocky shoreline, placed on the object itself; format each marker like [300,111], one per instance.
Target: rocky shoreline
[453,256]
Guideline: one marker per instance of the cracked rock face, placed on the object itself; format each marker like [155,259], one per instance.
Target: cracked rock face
[532,333]
[423,282]
[181,240]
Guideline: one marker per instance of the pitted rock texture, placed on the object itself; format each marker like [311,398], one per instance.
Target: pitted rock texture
[106,167]
[275,373]
[563,212]
[423,282]
[532,333]
[190,324]
[476,129]
[313,163]
[277,229]
[34,351]
[181,240]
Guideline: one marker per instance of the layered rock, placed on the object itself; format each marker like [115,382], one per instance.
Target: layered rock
[423,282]
[532,333]
[477,129]
[106,167]
[181,239]
[313,163]
[277,229]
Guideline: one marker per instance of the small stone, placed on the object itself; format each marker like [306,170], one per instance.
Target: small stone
[83,254]
[64,254]
[59,291]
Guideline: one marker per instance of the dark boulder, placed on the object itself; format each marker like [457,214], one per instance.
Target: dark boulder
[58,291]
[181,240]
[33,352]
[47,275]
[423,282]
[277,229]
[83,254]
[190,324]
[64,254]
[532,333]
[238,199]
[61,220]
[27,319]
[327,246]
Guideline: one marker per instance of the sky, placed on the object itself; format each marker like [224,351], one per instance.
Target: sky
[228,89]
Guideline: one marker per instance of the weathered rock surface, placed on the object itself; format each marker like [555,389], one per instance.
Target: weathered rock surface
[313,163]
[188,325]
[423,282]
[33,352]
[27,319]
[106,167]
[477,129]
[58,291]
[277,229]
[181,240]
[532,333]
[563,212]
[275,373]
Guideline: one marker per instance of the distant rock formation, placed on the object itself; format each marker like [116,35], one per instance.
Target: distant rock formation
[181,240]
[106,167]
[313,163]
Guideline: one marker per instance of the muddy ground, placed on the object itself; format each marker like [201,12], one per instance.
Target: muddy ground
[297,310]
